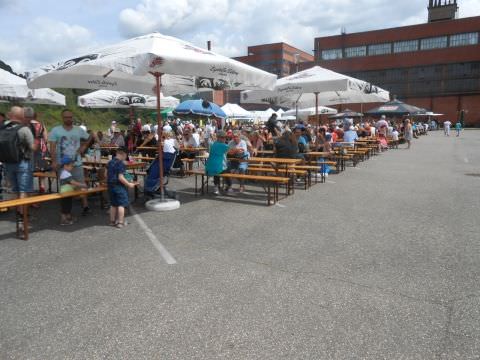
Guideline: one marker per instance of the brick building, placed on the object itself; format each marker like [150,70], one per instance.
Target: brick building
[280,59]
[435,65]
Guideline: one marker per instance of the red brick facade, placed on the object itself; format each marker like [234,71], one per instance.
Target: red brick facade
[445,80]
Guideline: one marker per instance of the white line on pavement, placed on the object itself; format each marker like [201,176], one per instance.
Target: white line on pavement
[170,260]
[280,205]
[331,182]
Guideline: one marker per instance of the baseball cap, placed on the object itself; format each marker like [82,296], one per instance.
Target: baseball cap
[67,160]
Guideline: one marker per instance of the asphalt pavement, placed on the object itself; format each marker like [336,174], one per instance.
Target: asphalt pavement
[380,262]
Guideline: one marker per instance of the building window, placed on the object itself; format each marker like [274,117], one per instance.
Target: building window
[379,49]
[464,39]
[332,54]
[355,51]
[434,43]
[405,46]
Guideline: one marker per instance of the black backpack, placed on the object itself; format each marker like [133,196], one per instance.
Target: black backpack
[10,151]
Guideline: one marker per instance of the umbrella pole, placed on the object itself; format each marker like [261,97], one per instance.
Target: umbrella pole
[132,115]
[158,80]
[316,109]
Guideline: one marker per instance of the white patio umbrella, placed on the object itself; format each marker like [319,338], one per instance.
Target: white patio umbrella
[13,87]
[317,86]
[147,64]
[109,99]
[235,111]
[103,99]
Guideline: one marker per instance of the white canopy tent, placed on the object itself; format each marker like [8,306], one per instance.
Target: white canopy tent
[235,111]
[149,64]
[13,87]
[262,116]
[303,114]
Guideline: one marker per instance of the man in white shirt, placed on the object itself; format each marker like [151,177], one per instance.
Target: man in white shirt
[446,127]
[111,129]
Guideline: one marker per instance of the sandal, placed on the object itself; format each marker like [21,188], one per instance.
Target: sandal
[112,223]
[120,225]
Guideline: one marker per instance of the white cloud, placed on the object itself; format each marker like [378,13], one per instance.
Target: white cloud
[43,41]
[232,25]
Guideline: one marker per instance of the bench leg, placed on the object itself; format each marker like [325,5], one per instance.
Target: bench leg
[268,195]
[196,185]
[25,222]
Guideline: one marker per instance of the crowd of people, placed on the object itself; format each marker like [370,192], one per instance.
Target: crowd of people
[61,149]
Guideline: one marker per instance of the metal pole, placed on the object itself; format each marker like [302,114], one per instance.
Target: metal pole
[158,78]
[316,109]
[132,115]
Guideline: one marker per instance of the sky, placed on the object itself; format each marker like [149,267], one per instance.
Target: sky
[36,33]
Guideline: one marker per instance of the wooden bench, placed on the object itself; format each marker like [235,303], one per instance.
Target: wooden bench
[344,158]
[290,171]
[267,180]
[316,169]
[188,164]
[26,202]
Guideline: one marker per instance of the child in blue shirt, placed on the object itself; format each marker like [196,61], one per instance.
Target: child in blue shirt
[67,183]
[217,160]
[117,188]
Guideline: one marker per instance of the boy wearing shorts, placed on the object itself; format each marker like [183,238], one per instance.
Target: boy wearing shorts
[117,188]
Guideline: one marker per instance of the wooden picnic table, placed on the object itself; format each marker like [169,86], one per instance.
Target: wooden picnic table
[143,158]
[147,148]
[187,149]
[49,175]
[273,160]
[265,152]
[319,154]
[104,163]
[279,165]
[192,149]
[324,154]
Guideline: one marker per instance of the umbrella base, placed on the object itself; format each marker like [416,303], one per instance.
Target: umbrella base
[162,205]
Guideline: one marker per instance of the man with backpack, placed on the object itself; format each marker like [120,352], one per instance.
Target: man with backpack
[16,152]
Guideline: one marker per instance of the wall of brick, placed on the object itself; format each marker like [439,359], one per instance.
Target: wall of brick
[399,33]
